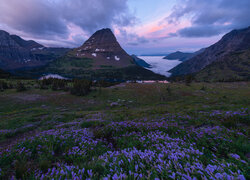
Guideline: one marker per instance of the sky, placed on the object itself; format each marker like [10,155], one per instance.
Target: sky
[141,26]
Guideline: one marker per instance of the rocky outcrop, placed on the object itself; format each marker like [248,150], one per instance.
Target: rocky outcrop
[235,41]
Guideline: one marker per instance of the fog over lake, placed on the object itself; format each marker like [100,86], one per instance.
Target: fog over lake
[160,65]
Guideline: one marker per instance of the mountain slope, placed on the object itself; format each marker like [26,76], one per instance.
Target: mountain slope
[233,67]
[140,62]
[100,57]
[236,40]
[17,53]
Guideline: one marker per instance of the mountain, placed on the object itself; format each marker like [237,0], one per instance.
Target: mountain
[234,43]
[140,62]
[181,56]
[26,44]
[17,53]
[100,57]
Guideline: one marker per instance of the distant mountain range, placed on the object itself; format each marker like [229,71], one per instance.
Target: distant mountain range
[102,57]
[17,53]
[181,56]
[227,59]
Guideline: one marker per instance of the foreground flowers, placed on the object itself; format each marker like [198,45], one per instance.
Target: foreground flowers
[144,149]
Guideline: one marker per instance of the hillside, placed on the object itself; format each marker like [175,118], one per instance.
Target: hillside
[233,67]
[233,42]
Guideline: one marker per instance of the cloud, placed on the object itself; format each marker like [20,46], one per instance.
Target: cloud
[50,19]
[210,18]
[132,39]
[201,31]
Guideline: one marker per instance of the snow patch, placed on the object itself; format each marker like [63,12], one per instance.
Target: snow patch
[108,57]
[117,58]
[98,50]
[94,54]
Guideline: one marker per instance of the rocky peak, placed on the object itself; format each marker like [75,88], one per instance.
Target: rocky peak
[26,44]
[103,46]
[6,40]
[102,41]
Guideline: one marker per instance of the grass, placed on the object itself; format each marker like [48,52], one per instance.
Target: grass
[56,131]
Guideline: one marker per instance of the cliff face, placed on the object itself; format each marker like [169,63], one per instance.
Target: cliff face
[236,40]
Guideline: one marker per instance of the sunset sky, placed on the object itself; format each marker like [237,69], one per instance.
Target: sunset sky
[141,26]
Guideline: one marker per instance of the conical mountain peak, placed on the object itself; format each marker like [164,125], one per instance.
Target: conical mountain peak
[104,48]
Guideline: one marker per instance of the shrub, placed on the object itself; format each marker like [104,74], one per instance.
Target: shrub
[188,79]
[81,87]
[103,83]
[20,87]
[3,85]
[58,84]
[169,90]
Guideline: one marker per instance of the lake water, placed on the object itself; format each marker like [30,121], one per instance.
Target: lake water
[160,65]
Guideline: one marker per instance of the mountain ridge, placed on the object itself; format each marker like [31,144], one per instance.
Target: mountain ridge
[17,53]
[233,41]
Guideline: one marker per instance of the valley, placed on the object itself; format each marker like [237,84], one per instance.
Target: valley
[124,90]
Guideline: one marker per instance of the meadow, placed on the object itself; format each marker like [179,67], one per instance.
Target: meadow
[126,131]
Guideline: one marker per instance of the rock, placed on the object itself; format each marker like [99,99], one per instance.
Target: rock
[114,104]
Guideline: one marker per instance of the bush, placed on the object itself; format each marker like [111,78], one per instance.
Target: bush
[3,85]
[54,84]
[103,83]
[58,84]
[20,87]
[188,79]
[81,87]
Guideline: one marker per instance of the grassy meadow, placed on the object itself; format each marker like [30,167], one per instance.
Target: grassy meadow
[126,131]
